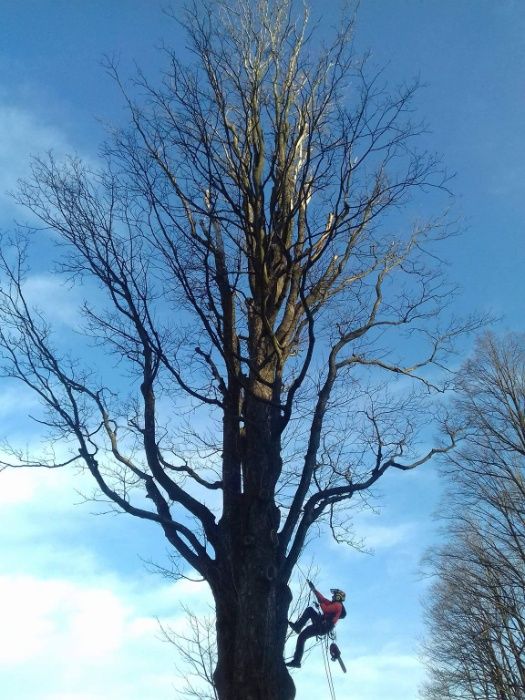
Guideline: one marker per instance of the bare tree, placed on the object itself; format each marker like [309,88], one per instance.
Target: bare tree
[476,648]
[196,649]
[256,294]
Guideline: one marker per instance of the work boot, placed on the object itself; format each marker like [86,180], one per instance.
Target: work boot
[294,664]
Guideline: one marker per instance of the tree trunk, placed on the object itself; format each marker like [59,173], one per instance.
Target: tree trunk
[250,642]
[250,645]
[252,607]
[251,596]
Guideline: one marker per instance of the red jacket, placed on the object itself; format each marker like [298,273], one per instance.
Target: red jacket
[331,610]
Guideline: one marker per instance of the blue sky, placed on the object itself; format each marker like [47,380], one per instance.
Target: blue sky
[78,608]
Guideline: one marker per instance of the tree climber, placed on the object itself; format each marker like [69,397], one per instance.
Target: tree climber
[322,622]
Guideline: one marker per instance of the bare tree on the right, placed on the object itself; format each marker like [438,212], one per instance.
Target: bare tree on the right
[476,608]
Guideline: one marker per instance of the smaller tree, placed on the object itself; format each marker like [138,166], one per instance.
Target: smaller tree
[196,649]
[476,649]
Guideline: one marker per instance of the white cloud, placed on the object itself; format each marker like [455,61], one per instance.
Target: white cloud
[372,668]
[88,622]
[52,617]
[377,533]
[383,674]
[51,489]
[86,628]
[386,536]
[14,396]
[82,639]
[15,487]
[28,132]
[23,135]
[58,300]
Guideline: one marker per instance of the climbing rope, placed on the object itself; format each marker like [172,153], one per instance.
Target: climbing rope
[328,670]
[301,571]
[325,642]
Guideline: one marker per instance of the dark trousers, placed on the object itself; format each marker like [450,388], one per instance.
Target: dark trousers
[319,627]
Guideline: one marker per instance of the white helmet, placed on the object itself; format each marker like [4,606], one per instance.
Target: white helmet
[338,595]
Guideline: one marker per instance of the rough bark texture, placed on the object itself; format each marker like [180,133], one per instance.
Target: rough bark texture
[251,594]
[251,629]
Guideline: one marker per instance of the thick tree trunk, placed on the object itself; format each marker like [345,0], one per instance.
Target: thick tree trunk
[251,596]
[252,604]
[251,631]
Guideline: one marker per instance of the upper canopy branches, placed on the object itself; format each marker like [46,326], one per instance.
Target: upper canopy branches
[266,166]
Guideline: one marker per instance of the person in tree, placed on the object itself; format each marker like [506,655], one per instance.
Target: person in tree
[322,623]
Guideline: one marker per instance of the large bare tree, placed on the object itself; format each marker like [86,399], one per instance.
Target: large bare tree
[256,291]
[476,645]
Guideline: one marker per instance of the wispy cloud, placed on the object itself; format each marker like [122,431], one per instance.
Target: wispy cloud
[378,536]
[23,135]
[374,534]
[15,398]
[60,301]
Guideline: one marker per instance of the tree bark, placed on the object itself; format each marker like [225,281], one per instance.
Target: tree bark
[252,604]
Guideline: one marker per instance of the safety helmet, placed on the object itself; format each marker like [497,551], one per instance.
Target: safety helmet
[338,595]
